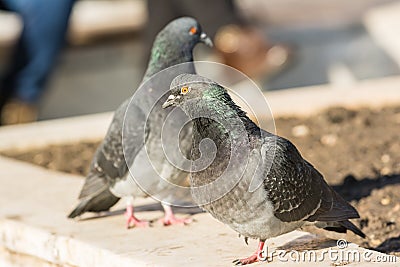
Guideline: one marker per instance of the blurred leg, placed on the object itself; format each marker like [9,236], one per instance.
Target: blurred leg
[45,24]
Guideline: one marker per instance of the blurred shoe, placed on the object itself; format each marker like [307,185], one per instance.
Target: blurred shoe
[16,112]
[245,49]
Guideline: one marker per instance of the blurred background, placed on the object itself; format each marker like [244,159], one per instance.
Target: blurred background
[302,43]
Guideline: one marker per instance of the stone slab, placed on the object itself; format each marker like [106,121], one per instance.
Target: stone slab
[10,29]
[305,101]
[91,18]
[68,130]
[383,23]
[33,223]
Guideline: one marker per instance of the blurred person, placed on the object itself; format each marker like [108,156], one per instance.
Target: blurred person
[238,43]
[45,23]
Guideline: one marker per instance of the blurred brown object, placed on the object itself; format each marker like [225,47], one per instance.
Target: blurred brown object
[244,48]
[16,112]
[238,41]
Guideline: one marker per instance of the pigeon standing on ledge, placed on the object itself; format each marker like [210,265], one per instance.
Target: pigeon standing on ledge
[277,192]
[109,178]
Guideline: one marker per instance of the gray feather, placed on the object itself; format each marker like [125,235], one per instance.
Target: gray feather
[95,196]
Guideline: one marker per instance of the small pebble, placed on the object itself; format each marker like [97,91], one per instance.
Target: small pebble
[329,139]
[300,131]
[340,263]
[385,171]
[386,201]
[385,158]
[375,242]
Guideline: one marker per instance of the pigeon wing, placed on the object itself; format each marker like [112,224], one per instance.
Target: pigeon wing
[298,191]
[109,163]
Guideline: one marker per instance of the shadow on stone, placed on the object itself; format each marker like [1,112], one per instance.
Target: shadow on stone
[389,245]
[353,189]
[308,242]
[144,208]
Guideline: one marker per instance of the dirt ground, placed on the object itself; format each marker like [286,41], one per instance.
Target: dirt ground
[358,151]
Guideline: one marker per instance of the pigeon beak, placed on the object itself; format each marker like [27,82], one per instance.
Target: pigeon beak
[205,39]
[169,102]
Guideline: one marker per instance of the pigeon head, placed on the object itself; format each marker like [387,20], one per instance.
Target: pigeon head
[188,89]
[174,44]
[183,32]
[200,96]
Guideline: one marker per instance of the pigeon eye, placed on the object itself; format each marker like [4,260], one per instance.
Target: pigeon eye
[193,31]
[185,90]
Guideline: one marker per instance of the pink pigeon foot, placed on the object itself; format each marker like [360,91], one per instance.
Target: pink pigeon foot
[253,258]
[132,221]
[170,219]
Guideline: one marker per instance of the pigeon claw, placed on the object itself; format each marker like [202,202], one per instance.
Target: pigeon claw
[172,220]
[252,259]
[132,221]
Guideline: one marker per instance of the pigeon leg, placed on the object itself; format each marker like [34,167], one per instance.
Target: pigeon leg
[253,258]
[131,220]
[170,219]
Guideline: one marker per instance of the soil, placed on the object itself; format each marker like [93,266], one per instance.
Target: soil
[357,151]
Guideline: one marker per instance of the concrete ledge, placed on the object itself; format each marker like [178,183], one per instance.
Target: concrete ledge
[10,258]
[10,29]
[307,13]
[93,18]
[68,130]
[33,223]
[308,100]
[383,23]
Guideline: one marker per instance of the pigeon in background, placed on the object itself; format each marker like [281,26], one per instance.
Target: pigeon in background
[109,178]
[258,183]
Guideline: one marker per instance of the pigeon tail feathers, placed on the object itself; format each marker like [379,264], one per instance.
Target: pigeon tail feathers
[103,201]
[350,226]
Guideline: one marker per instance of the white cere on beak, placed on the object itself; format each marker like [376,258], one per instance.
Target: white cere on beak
[203,35]
[171,97]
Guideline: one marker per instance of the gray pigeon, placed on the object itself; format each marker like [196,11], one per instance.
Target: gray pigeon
[109,178]
[258,183]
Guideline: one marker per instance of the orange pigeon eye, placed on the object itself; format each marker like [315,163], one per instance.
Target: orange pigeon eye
[193,31]
[184,90]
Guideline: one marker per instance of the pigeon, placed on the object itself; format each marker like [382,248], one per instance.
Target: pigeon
[257,183]
[109,177]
